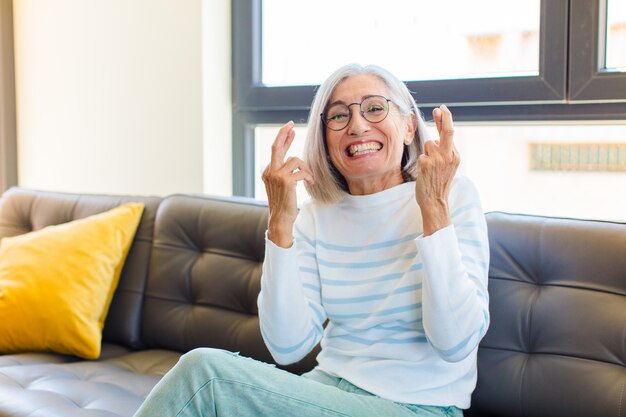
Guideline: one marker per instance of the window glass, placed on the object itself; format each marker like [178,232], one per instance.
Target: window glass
[552,169]
[616,35]
[416,40]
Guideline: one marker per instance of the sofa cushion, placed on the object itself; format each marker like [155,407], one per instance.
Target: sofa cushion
[23,210]
[56,283]
[556,345]
[205,275]
[107,351]
[113,387]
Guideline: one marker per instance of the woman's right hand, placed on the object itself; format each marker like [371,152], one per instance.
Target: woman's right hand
[280,178]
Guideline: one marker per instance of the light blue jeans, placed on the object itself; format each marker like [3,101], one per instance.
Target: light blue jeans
[211,382]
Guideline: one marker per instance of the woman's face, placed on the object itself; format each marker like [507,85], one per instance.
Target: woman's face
[368,154]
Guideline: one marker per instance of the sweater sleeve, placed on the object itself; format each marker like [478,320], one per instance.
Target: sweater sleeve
[455,301]
[291,316]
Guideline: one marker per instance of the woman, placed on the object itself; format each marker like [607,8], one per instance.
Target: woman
[386,266]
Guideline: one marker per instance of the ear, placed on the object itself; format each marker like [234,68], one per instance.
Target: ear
[411,127]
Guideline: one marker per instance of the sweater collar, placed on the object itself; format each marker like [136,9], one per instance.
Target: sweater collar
[387,196]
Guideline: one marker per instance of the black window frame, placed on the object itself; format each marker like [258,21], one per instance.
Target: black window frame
[589,80]
[570,84]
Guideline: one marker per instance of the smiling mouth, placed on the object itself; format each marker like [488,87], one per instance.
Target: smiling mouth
[363,148]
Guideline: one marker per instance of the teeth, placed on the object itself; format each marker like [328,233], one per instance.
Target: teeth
[363,148]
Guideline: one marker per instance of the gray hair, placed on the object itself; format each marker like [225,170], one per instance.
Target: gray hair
[329,183]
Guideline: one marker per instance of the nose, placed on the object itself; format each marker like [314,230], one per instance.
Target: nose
[357,125]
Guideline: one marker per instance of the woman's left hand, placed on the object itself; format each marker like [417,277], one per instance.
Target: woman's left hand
[437,167]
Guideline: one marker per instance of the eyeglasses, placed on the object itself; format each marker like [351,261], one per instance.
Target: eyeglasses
[374,109]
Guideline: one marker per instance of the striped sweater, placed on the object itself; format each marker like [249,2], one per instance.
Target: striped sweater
[405,312]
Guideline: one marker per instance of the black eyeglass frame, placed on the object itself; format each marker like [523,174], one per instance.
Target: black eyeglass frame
[361,111]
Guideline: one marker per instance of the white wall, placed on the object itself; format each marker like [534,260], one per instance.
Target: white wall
[217,97]
[110,95]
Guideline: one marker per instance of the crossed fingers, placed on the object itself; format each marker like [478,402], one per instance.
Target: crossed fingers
[443,147]
[292,169]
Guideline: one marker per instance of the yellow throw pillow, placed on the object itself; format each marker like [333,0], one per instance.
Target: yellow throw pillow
[56,283]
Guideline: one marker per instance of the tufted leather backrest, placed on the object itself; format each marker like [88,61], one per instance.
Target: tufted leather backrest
[557,341]
[23,210]
[205,274]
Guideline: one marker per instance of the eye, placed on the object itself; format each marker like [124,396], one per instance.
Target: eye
[337,114]
[375,108]
[338,117]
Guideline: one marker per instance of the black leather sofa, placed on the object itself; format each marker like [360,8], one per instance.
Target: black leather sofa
[556,345]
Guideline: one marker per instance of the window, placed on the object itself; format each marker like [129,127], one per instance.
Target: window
[615,58]
[454,47]
[531,84]
[593,39]
[553,169]
[556,68]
